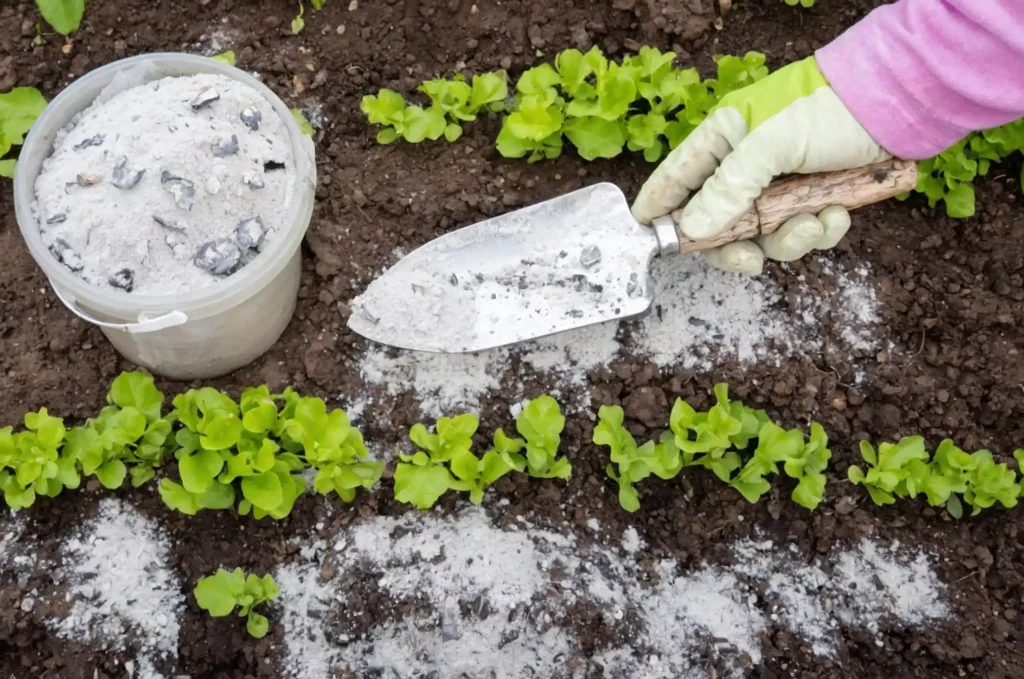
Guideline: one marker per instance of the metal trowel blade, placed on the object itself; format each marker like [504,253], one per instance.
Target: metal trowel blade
[566,263]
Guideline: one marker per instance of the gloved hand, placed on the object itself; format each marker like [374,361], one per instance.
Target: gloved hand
[789,122]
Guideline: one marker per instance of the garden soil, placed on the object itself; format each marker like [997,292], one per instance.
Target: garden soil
[949,295]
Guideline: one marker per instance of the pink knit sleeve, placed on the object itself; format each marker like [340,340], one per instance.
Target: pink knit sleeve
[920,74]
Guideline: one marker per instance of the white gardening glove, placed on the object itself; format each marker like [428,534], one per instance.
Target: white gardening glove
[789,122]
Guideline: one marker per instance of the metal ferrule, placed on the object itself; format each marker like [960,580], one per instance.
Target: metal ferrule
[665,232]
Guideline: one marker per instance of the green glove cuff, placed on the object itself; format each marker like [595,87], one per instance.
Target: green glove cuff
[762,100]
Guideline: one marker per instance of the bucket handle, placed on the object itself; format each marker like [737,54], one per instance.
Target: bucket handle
[168,320]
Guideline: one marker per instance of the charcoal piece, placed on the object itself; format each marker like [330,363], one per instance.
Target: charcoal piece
[124,177]
[250,233]
[171,223]
[633,286]
[228,146]
[94,140]
[57,219]
[183,190]
[253,181]
[272,165]
[123,279]
[219,257]
[66,255]
[205,98]
[251,117]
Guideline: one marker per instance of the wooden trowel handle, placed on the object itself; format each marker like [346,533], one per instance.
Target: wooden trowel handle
[812,193]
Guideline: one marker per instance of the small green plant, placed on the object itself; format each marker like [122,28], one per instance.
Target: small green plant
[19,109]
[304,125]
[225,57]
[298,23]
[643,104]
[64,15]
[221,593]
[540,424]
[634,463]
[32,462]
[803,3]
[131,431]
[719,441]
[423,477]
[327,440]
[262,447]
[949,477]
[948,176]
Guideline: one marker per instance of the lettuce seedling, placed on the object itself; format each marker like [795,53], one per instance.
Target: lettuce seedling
[808,468]
[889,468]
[130,433]
[774,445]
[707,439]
[989,483]
[634,463]
[32,463]
[422,478]
[737,72]
[221,593]
[19,109]
[221,443]
[575,70]
[461,101]
[64,15]
[535,129]
[334,448]
[541,423]
[412,123]
[475,475]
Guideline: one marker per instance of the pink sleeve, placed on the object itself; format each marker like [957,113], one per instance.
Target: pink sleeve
[920,74]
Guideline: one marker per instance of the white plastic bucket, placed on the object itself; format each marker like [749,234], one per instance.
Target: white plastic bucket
[201,334]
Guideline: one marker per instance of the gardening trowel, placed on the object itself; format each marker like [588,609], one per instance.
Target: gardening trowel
[570,262]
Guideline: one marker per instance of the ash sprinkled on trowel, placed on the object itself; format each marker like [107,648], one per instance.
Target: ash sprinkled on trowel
[147,179]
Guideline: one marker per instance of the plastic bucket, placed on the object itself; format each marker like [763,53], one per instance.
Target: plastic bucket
[200,334]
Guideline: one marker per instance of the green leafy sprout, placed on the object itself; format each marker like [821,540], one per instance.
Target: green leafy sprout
[947,478]
[259,447]
[19,109]
[718,440]
[444,460]
[644,105]
[64,15]
[221,593]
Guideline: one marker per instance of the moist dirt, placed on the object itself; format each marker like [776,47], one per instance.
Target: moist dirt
[915,335]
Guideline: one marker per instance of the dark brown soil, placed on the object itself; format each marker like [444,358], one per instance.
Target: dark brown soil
[951,294]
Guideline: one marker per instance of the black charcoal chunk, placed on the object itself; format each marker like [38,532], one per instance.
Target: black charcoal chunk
[228,146]
[250,233]
[633,286]
[183,190]
[57,219]
[171,223]
[94,140]
[219,257]
[251,117]
[66,255]
[272,165]
[205,98]
[253,181]
[123,279]
[124,177]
